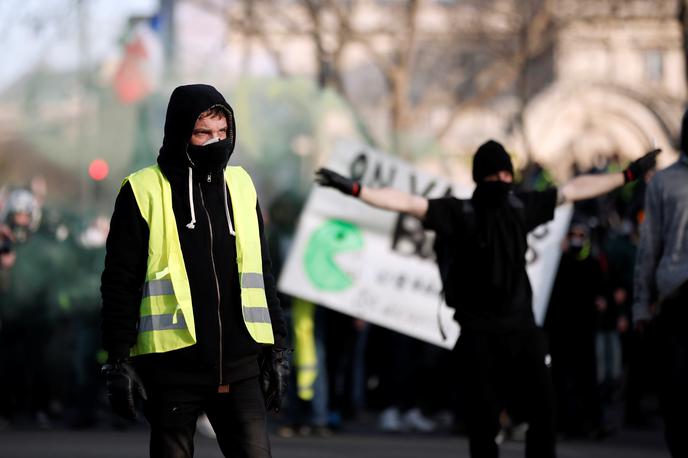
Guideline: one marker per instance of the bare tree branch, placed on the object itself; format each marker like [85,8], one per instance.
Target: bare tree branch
[507,71]
[483,49]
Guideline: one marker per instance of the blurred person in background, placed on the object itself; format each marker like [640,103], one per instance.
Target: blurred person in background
[480,247]
[28,326]
[661,289]
[62,262]
[20,215]
[307,404]
[571,324]
[637,345]
[308,394]
[346,340]
[50,313]
[79,316]
[614,322]
[190,318]
[400,383]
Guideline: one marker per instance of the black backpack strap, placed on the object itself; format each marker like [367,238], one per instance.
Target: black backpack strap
[519,207]
[469,217]
[514,201]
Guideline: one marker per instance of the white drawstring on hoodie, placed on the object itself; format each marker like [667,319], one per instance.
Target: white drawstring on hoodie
[192,223]
[229,220]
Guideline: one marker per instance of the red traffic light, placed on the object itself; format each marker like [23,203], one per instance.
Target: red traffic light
[98,169]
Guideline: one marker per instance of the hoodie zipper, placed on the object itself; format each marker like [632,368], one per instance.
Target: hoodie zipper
[217,282]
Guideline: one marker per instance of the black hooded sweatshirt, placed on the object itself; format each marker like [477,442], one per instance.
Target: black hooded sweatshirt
[481,247]
[224,352]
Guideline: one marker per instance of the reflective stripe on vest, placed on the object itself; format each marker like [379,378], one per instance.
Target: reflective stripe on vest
[157,288]
[166,320]
[161,322]
[252,280]
[257,314]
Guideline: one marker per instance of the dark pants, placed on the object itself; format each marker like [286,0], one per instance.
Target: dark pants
[641,379]
[574,373]
[238,418]
[672,346]
[510,371]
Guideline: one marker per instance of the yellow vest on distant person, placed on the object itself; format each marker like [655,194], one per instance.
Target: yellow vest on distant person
[305,351]
[166,320]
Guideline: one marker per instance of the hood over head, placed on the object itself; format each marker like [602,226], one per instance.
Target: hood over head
[186,104]
[490,158]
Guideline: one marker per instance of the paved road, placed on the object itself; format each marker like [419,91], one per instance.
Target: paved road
[106,443]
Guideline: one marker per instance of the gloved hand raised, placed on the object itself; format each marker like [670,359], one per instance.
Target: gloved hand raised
[327,177]
[123,384]
[636,169]
[274,376]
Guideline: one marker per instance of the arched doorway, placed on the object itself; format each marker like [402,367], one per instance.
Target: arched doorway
[576,124]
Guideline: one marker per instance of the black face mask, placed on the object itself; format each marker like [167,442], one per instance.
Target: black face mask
[210,158]
[576,245]
[492,193]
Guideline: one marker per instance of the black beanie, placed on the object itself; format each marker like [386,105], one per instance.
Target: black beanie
[490,158]
[684,134]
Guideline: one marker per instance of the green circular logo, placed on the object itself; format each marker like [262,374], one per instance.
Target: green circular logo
[325,243]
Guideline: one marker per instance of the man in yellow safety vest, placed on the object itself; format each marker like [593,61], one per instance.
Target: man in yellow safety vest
[191,320]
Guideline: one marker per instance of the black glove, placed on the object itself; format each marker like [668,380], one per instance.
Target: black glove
[274,376]
[123,383]
[637,168]
[326,177]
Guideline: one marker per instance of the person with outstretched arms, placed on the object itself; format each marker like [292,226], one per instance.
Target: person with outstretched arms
[480,249]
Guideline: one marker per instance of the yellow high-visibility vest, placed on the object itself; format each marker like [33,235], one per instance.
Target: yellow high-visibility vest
[166,320]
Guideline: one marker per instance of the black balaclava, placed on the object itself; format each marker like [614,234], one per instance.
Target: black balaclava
[499,227]
[186,104]
[180,161]
[211,157]
[490,159]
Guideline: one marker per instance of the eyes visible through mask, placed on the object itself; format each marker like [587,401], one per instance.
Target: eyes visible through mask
[208,128]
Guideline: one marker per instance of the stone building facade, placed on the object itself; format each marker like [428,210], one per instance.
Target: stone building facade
[618,84]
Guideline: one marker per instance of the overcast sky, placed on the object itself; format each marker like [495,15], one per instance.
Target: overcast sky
[34,32]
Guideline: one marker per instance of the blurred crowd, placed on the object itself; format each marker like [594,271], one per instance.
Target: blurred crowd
[346,371]
[51,260]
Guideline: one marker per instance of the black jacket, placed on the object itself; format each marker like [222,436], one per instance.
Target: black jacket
[209,252]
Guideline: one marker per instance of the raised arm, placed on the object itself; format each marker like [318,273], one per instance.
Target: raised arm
[589,186]
[384,198]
